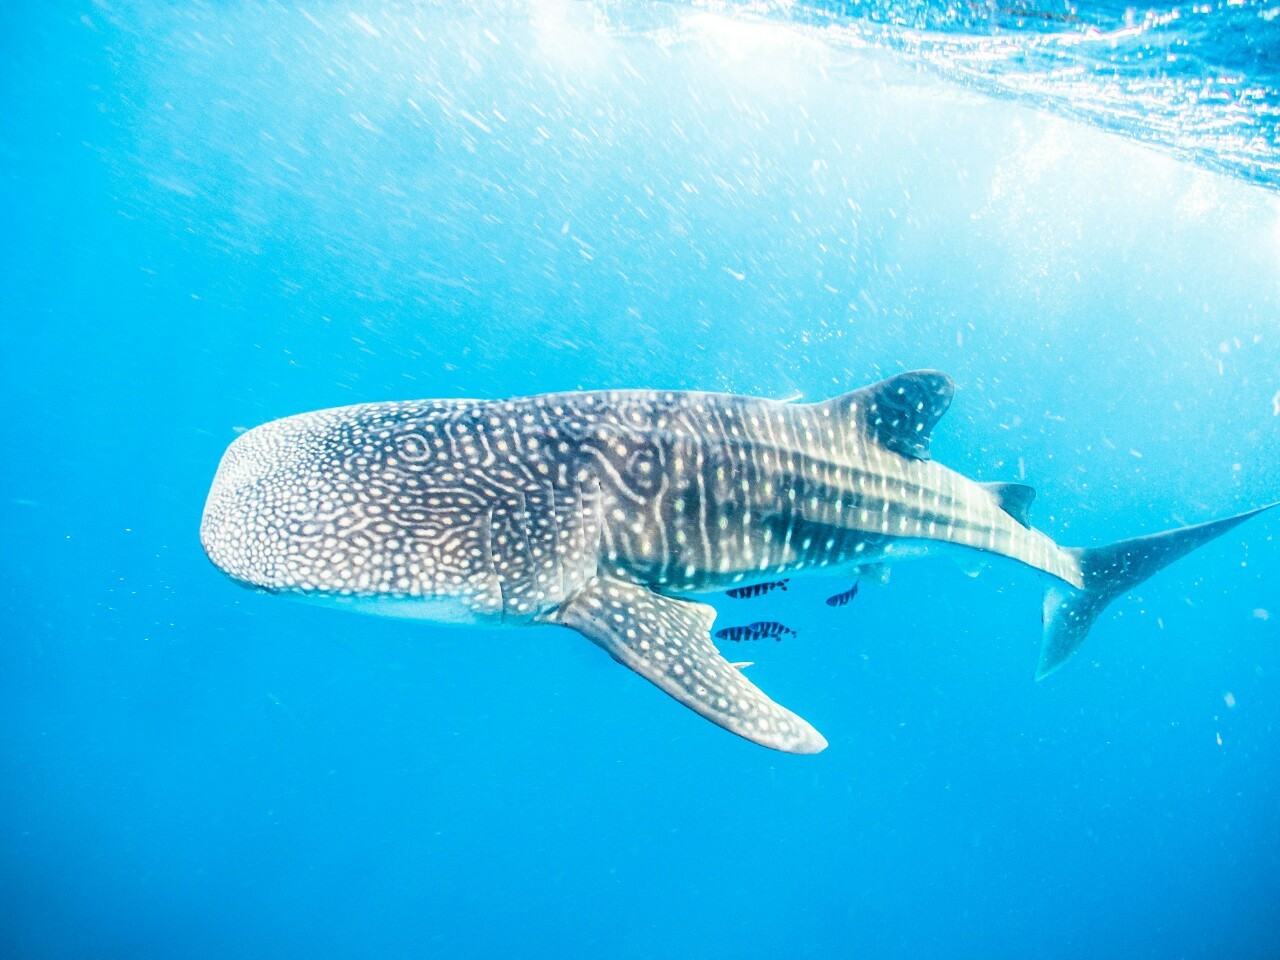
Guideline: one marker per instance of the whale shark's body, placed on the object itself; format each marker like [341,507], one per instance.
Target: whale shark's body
[600,511]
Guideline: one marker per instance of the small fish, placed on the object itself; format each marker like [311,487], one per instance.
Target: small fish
[760,630]
[756,589]
[840,599]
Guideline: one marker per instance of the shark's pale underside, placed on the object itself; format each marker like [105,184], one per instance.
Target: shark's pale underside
[601,511]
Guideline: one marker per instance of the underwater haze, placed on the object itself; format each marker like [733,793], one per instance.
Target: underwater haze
[217,214]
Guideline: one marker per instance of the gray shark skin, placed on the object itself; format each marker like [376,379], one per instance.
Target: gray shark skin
[600,511]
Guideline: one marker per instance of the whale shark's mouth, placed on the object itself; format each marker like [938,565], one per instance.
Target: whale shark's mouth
[441,609]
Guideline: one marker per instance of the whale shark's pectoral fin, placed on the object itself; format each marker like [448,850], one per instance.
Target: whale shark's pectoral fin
[668,642]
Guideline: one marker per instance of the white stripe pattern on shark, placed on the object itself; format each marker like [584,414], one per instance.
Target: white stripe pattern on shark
[541,509]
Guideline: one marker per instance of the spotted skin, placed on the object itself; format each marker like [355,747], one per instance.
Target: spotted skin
[598,511]
[511,505]
[508,511]
[402,501]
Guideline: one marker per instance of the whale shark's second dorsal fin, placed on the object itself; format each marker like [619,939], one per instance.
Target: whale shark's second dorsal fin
[901,412]
[1014,499]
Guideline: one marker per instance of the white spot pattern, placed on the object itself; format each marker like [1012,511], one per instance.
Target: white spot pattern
[512,508]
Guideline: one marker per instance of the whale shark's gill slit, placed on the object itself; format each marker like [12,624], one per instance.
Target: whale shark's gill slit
[609,547]
[700,466]
[489,551]
[593,525]
[557,547]
[661,558]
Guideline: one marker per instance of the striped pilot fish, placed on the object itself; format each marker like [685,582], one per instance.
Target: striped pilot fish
[757,589]
[844,598]
[760,630]
[603,512]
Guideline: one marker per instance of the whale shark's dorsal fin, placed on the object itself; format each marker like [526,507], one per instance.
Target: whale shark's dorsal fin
[901,412]
[668,642]
[1014,499]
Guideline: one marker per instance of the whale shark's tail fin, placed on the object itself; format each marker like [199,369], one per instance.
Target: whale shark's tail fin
[1110,571]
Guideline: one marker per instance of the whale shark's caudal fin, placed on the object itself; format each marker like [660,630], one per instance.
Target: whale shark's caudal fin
[1110,571]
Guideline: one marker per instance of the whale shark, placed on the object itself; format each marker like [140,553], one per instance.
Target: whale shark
[606,511]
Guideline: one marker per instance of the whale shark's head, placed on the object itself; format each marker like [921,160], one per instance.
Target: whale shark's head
[274,505]
[343,505]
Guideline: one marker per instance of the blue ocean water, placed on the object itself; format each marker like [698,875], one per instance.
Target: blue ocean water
[217,214]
